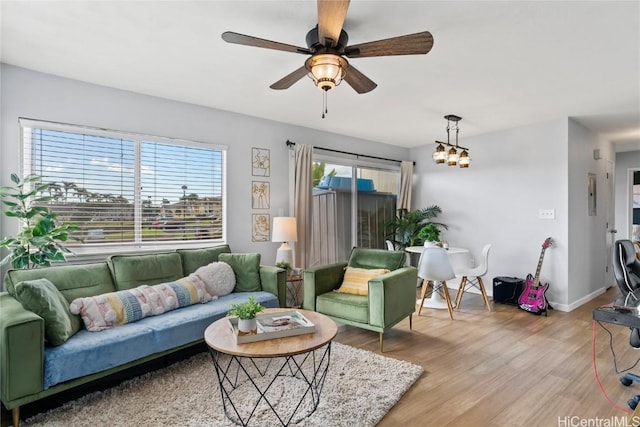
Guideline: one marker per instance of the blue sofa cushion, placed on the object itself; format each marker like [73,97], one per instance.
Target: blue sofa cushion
[90,352]
[188,325]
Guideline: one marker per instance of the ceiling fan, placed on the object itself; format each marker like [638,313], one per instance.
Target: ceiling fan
[327,45]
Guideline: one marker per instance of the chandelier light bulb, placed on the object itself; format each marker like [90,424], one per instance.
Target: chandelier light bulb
[464,159]
[440,155]
[452,158]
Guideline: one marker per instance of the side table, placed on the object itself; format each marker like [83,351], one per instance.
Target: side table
[294,290]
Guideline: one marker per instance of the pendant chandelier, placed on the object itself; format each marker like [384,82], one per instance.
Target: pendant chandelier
[456,155]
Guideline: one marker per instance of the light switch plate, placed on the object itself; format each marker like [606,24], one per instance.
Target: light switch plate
[547,213]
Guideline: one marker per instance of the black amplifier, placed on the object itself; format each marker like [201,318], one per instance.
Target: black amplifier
[507,290]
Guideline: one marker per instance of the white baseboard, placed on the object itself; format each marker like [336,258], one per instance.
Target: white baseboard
[585,299]
[554,304]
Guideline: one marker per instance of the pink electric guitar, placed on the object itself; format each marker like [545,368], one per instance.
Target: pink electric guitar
[533,297]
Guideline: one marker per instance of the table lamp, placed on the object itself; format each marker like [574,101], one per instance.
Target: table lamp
[284,230]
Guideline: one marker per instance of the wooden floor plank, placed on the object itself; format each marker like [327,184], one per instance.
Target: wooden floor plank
[505,368]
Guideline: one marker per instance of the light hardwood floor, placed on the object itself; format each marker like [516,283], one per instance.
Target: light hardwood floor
[505,368]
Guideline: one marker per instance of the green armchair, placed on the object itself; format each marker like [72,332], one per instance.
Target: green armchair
[391,297]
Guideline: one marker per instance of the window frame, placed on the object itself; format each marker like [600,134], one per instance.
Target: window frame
[137,244]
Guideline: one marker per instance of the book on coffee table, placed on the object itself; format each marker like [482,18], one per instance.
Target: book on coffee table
[275,325]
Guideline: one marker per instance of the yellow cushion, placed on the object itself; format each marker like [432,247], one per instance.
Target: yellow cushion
[356,280]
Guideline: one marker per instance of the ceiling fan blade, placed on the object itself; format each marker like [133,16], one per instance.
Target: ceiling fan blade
[411,44]
[237,38]
[287,81]
[331,14]
[358,81]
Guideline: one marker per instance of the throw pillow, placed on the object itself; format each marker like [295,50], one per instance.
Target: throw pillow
[43,298]
[218,278]
[246,267]
[118,308]
[356,280]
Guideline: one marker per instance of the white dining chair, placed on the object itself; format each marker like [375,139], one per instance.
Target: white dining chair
[472,278]
[434,267]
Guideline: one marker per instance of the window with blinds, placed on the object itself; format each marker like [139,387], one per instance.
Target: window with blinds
[127,189]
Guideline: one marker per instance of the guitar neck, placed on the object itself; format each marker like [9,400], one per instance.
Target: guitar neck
[536,280]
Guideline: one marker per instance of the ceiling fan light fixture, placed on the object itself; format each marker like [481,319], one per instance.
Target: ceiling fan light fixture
[326,70]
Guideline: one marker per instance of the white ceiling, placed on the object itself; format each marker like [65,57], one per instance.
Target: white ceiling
[497,64]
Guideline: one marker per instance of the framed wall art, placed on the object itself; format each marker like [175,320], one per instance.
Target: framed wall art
[261,228]
[260,195]
[260,162]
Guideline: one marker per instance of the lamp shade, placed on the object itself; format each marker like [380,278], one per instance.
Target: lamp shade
[284,229]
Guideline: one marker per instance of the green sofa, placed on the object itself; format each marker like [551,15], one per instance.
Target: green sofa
[31,369]
[391,297]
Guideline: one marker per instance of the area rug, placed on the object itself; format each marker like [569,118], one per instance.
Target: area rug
[360,388]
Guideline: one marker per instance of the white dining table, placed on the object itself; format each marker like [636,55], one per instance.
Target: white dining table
[450,251]
[436,300]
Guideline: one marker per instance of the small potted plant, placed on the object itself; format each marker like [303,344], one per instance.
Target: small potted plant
[430,233]
[246,313]
[285,266]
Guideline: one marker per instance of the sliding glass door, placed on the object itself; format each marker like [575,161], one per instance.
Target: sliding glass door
[350,212]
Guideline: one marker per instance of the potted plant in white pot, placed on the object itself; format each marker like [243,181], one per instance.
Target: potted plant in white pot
[430,233]
[405,227]
[246,313]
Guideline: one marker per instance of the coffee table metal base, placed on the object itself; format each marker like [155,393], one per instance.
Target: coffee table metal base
[289,387]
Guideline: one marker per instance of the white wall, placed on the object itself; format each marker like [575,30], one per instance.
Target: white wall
[625,162]
[30,94]
[513,174]
[588,257]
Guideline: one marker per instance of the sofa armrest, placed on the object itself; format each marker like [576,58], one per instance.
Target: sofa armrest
[21,350]
[274,279]
[320,280]
[392,296]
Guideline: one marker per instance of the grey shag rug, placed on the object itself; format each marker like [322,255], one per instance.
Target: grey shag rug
[360,388]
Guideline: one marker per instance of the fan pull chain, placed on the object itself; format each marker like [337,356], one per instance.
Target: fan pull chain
[325,110]
[324,103]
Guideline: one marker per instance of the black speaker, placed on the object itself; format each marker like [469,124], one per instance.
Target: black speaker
[507,290]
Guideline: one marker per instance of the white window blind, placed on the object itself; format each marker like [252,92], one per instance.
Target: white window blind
[125,188]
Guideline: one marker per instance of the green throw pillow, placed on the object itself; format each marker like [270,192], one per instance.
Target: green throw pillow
[43,298]
[246,267]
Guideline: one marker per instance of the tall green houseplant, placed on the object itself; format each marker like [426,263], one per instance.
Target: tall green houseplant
[38,243]
[404,228]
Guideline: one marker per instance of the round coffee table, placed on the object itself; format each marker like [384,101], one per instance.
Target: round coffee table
[281,376]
